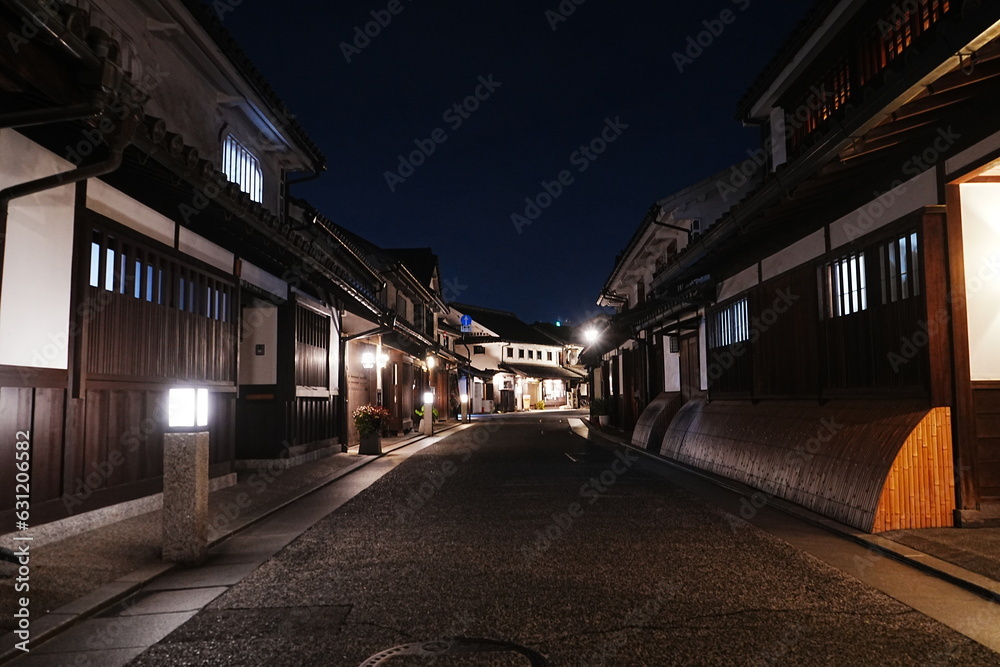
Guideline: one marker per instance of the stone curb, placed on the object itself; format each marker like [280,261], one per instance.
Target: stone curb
[972,582]
[59,620]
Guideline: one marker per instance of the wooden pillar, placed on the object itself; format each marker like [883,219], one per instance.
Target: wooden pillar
[963,416]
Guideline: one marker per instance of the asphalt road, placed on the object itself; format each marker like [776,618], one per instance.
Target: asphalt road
[518,530]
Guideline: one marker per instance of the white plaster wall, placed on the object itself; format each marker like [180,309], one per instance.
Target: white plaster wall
[198,101]
[989,145]
[260,278]
[203,249]
[794,255]
[260,327]
[35,286]
[113,204]
[739,283]
[703,353]
[981,237]
[906,198]
[671,370]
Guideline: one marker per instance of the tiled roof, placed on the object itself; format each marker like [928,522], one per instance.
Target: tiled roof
[420,261]
[542,372]
[799,36]
[504,324]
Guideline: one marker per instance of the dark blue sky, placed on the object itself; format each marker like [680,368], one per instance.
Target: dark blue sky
[607,60]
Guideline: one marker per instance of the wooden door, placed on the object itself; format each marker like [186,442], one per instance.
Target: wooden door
[690,367]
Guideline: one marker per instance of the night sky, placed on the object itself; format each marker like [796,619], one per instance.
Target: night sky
[557,90]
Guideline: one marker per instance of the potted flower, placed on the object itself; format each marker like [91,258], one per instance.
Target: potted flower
[370,420]
[599,409]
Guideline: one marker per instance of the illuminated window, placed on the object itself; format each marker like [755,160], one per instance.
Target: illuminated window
[241,167]
[900,269]
[846,286]
[730,325]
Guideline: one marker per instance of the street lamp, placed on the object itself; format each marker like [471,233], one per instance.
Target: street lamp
[185,476]
[427,425]
[187,408]
[591,336]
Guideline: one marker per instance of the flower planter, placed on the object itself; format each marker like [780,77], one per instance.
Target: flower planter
[371,444]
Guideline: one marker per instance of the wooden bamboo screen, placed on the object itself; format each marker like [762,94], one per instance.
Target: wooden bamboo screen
[920,489]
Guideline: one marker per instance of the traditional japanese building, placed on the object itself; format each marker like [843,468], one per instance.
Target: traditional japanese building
[837,327]
[513,365]
[145,244]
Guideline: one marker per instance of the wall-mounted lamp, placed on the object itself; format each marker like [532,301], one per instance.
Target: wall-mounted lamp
[431,362]
[368,360]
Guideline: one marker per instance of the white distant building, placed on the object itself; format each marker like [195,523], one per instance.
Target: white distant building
[514,366]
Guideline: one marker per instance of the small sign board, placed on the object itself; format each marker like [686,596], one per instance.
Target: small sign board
[466,322]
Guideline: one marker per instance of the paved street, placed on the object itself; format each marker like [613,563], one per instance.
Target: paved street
[516,529]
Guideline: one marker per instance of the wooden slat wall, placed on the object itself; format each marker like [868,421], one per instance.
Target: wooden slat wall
[312,348]
[920,489]
[800,347]
[781,368]
[141,341]
[15,415]
[987,405]
[155,318]
[311,420]
[779,448]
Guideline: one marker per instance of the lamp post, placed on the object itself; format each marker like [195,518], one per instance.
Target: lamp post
[465,402]
[185,476]
[427,425]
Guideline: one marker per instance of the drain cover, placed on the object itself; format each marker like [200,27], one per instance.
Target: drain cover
[455,646]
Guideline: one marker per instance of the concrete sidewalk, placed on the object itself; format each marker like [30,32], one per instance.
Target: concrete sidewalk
[968,557]
[80,575]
